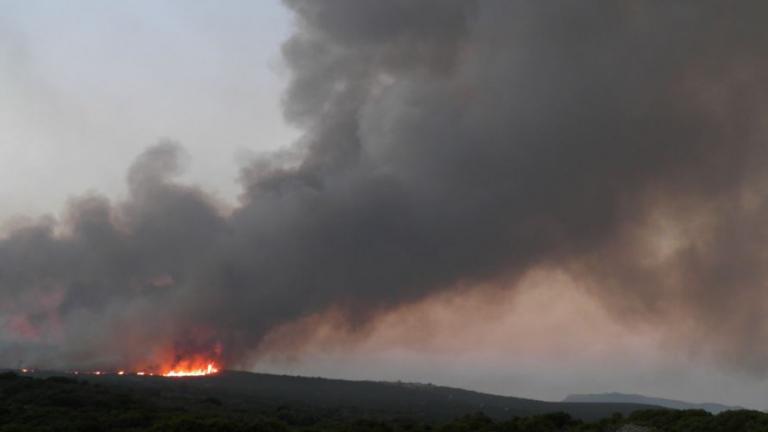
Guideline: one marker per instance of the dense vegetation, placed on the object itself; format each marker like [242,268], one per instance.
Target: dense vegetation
[366,399]
[65,404]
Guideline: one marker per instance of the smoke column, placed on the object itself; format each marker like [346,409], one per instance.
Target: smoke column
[446,142]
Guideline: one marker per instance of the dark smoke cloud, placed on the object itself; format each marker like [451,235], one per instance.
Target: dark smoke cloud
[446,143]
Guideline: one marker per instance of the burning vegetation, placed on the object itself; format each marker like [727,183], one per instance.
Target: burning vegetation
[184,369]
[173,366]
[192,369]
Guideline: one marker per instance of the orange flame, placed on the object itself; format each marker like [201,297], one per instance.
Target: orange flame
[190,367]
[187,369]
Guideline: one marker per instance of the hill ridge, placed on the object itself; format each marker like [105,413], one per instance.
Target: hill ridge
[384,398]
[618,397]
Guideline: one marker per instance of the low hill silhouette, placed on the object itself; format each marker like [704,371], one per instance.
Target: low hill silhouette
[246,402]
[640,399]
[379,398]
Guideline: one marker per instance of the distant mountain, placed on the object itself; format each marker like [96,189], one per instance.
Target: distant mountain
[381,399]
[640,399]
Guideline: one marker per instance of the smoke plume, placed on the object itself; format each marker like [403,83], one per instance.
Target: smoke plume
[446,143]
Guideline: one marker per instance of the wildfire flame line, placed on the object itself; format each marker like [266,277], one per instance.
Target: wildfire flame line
[208,370]
[184,369]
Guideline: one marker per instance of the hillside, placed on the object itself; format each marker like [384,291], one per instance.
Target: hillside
[371,398]
[100,404]
[640,399]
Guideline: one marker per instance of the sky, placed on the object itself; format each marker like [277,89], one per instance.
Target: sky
[87,85]
[525,305]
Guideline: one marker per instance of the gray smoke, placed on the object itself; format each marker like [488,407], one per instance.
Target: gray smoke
[446,142]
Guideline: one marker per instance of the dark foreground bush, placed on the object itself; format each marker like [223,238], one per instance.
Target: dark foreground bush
[65,404]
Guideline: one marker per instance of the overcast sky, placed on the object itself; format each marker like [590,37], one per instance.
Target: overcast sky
[86,85]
